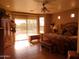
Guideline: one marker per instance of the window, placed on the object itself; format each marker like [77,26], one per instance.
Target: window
[41,20]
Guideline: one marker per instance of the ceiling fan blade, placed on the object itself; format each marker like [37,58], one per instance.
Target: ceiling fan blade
[44,9]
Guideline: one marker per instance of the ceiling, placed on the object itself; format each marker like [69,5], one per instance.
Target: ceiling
[34,6]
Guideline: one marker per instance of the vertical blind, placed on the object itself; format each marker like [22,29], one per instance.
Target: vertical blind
[29,25]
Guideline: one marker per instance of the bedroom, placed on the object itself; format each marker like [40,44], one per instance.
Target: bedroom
[64,17]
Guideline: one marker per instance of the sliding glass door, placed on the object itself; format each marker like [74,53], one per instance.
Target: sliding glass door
[31,25]
[20,29]
[26,27]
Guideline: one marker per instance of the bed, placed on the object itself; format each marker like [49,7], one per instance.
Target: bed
[63,42]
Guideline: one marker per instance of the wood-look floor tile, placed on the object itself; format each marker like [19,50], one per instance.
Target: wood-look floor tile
[32,51]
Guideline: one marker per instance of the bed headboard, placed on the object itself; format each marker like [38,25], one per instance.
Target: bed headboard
[70,29]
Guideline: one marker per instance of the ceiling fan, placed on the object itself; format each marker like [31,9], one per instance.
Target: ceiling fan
[44,3]
[44,8]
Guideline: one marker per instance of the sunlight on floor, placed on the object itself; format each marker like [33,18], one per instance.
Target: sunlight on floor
[21,37]
[22,44]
